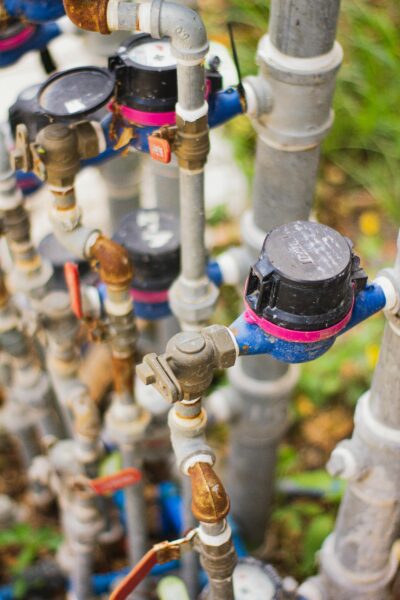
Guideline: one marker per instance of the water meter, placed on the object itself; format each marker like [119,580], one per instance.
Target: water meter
[305,281]
[76,93]
[151,237]
[146,80]
[26,110]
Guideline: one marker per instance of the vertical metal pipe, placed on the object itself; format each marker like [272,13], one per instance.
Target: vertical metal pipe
[193,258]
[360,559]
[135,507]
[122,177]
[81,575]
[302,28]
[287,157]
[287,195]
[190,560]
[385,390]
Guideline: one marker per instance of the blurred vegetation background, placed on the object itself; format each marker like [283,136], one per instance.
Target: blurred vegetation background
[358,193]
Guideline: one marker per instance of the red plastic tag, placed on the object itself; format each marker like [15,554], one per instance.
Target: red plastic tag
[160,149]
[117,481]
[71,274]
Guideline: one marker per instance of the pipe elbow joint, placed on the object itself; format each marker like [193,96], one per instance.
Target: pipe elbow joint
[88,14]
[181,24]
[113,263]
[210,501]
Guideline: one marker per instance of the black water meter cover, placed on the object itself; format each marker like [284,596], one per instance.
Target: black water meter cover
[76,93]
[305,278]
[151,237]
[145,72]
[26,110]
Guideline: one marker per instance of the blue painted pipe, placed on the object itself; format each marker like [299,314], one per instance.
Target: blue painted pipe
[35,11]
[253,340]
[38,41]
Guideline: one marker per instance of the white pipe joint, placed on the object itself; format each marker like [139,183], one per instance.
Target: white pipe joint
[302,89]
[216,540]
[234,265]
[343,462]
[259,97]
[188,440]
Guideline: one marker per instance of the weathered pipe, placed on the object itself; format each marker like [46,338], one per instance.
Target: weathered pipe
[135,506]
[302,28]
[299,60]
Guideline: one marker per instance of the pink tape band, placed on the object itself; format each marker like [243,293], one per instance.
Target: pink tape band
[17,40]
[148,118]
[301,337]
[150,297]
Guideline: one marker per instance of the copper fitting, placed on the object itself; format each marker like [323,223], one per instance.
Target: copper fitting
[113,262]
[192,143]
[210,502]
[123,374]
[90,15]
[4,296]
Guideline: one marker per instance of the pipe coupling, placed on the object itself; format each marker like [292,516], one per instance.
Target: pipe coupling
[192,143]
[302,91]
[188,440]
[217,554]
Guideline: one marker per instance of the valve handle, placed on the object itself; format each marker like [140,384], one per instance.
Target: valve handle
[72,279]
[136,576]
[116,481]
[160,553]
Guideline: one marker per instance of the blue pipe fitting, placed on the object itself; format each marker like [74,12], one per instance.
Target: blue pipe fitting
[253,340]
[224,106]
[37,41]
[35,11]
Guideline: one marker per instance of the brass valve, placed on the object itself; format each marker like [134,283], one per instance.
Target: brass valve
[56,153]
[186,369]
